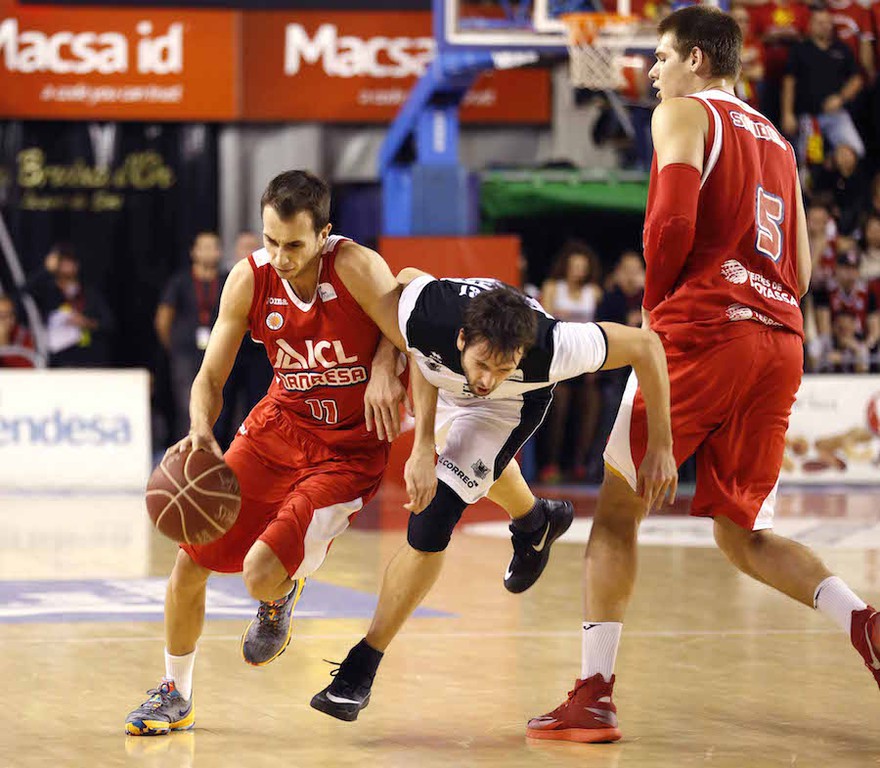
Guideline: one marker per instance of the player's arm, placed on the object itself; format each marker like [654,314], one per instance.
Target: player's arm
[163,321]
[679,128]
[369,280]
[804,260]
[408,274]
[206,398]
[589,347]
[420,473]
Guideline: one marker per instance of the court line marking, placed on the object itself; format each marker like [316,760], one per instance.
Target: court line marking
[672,633]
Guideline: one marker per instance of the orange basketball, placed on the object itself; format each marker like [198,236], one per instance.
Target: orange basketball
[193,498]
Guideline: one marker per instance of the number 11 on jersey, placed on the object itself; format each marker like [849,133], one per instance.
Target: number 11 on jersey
[324,410]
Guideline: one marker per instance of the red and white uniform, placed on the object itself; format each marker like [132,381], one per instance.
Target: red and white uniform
[303,457]
[853,23]
[731,326]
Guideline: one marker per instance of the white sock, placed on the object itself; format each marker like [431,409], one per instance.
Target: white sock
[180,670]
[599,648]
[835,599]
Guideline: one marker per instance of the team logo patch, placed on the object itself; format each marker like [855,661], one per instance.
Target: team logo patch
[480,469]
[274,321]
[734,272]
[326,291]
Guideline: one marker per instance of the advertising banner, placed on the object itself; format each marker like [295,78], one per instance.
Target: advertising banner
[74,429]
[113,64]
[834,432]
[359,67]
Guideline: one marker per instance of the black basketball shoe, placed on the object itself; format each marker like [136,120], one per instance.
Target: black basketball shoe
[531,551]
[349,692]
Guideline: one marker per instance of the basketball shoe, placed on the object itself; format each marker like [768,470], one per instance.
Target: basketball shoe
[531,551]
[865,636]
[588,715]
[268,635]
[349,692]
[166,710]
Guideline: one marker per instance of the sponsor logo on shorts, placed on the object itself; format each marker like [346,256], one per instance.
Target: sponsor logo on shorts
[443,461]
[480,469]
[277,302]
[736,312]
[274,321]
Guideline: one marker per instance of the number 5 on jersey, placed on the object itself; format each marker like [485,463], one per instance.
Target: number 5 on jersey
[769,214]
[324,410]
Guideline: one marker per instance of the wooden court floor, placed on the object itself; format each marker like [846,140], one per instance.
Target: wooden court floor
[713,670]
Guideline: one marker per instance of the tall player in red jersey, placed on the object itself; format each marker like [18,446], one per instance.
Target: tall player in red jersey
[727,257]
[312,452]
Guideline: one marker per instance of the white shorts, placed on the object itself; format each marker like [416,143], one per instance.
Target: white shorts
[476,439]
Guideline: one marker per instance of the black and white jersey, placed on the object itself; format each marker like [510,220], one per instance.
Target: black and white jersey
[431,313]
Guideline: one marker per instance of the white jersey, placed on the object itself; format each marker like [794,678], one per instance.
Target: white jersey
[431,314]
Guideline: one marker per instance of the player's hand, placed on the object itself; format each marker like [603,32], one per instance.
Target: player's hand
[382,400]
[420,476]
[657,477]
[197,440]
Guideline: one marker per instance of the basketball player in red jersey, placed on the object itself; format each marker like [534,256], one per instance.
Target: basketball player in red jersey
[312,452]
[727,255]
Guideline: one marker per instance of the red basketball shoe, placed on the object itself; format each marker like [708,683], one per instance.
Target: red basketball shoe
[865,636]
[588,715]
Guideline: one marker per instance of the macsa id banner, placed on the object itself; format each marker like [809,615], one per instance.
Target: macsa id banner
[143,64]
[74,429]
[834,431]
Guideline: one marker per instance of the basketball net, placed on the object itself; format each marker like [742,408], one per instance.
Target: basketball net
[593,63]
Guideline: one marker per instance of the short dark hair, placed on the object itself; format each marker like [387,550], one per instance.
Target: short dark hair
[714,32]
[294,191]
[503,318]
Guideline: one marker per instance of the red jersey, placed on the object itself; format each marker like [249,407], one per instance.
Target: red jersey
[779,26]
[741,274]
[853,23]
[321,351]
[858,301]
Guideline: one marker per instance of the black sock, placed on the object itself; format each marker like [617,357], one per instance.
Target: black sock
[533,520]
[362,661]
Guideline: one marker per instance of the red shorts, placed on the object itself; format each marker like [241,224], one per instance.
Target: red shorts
[297,493]
[730,407]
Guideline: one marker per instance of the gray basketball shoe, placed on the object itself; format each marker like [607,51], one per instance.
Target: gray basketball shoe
[166,710]
[268,635]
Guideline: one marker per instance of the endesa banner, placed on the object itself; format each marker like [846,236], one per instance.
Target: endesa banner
[74,429]
[834,431]
[113,64]
[189,64]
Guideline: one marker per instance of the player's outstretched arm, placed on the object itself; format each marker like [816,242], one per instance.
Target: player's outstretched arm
[206,399]
[642,349]
[420,473]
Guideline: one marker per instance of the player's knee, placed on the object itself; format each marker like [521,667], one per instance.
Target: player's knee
[737,542]
[431,529]
[619,509]
[187,575]
[263,573]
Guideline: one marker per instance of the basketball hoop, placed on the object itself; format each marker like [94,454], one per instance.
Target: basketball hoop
[596,59]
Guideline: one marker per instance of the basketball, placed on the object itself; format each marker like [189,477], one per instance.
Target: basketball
[193,498]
